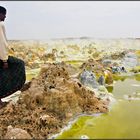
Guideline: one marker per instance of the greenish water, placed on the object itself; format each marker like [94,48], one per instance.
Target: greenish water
[127,86]
[121,122]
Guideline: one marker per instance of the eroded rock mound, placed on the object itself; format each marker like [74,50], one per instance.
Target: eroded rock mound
[16,133]
[50,101]
[91,67]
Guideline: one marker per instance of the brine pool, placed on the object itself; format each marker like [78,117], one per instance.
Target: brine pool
[122,121]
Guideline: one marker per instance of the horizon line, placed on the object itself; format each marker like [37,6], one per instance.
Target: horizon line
[69,38]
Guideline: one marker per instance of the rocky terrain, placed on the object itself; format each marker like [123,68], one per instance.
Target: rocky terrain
[48,103]
[62,91]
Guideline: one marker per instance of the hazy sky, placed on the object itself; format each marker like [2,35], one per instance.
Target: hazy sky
[59,19]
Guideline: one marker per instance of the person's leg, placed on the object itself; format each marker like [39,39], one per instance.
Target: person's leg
[12,79]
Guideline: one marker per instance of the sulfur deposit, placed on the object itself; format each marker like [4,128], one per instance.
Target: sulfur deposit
[48,103]
[97,68]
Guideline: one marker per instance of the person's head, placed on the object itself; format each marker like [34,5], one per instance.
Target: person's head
[2,13]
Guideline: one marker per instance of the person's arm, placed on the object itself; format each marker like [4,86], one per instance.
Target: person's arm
[3,46]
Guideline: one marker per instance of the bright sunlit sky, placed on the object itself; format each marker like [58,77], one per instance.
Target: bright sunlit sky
[62,19]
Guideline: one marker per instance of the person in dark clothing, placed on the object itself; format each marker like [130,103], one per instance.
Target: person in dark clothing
[12,69]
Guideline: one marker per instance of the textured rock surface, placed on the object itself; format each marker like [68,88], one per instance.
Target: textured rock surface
[49,102]
[16,133]
[92,70]
[130,60]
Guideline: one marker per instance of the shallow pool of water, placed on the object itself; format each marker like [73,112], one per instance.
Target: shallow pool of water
[127,86]
[121,122]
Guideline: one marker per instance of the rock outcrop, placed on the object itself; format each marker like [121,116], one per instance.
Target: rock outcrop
[49,102]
